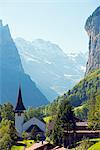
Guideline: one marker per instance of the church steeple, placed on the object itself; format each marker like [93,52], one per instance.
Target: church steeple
[1,23]
[19,105]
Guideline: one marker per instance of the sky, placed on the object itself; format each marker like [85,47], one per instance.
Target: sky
[59,21]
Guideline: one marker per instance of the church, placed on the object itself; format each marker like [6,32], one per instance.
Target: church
[20,124]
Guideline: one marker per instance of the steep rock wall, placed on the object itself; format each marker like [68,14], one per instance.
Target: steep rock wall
[92,27]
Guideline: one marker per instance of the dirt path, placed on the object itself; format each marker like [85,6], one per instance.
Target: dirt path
[37,145]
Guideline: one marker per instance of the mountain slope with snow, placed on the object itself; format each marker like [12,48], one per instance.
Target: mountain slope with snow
[54,71]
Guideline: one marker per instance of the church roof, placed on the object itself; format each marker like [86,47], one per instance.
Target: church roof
[19,105]
[35,127]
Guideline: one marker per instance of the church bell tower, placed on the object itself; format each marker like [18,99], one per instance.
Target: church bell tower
[19,113]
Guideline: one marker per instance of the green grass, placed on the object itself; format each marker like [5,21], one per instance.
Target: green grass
[91,76]
[47,119]
[96,146]
[95,140]
[17,147]
[80,107]
[91,140]
[27,142]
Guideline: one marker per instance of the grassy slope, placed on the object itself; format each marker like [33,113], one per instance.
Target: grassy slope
[47,119]
[78,96]
[17,147]
[96,146]
[27,142]
[85,88]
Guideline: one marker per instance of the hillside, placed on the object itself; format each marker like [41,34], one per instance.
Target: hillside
[78,96]
[86,88]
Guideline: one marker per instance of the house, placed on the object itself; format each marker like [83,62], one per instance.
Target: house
[81,131]
[20,124]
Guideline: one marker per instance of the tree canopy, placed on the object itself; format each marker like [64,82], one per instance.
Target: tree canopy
[8,134]
[65,121]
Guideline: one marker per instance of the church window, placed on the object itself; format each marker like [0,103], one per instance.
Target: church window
[19,114]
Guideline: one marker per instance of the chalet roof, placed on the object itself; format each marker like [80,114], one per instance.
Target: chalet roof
[58,148]
[51,124]
[81,124]
[19,105]
[83,131]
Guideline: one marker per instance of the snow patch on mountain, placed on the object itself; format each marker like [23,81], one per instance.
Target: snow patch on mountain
[47,64]
[83,68]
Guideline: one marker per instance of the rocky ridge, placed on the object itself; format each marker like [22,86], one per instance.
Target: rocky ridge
[12,74]
[92,27]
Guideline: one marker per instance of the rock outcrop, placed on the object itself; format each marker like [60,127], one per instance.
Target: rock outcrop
[12,74]
[92,27]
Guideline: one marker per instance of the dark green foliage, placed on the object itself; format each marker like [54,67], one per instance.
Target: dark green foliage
[25,135]
[52,108]
[37,138]
[7,112]
[65,121]
[81,111]
[8,134]
[34,112]
[44,111]
[94,112]
[81,93]
[85,144]
[78,96]
[35,130]
[83,90]
[33,133]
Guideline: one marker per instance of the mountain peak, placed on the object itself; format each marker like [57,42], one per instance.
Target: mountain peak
[96,12]
[12,72]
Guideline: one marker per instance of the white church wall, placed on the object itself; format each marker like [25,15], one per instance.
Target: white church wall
[19,120]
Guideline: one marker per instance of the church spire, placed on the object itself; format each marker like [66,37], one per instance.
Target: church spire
[19,105]
[1,23]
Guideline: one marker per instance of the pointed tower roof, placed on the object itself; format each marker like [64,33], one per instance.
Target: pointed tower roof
[19,105]
[1,23]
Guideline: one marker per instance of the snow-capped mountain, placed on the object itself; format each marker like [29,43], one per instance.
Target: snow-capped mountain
[52,69]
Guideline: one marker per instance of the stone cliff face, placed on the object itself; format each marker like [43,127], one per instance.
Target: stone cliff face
[92,27]
[9,57]
[12,74]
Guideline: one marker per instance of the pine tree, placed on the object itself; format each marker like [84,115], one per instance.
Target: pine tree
[97,113]
[65,120]
[7,112]
[94,112]
[8,134]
